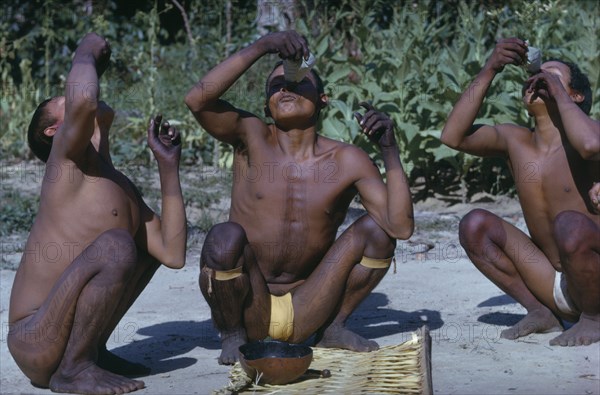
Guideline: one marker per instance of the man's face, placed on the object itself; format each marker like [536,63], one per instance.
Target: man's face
[560,70]
[287,103]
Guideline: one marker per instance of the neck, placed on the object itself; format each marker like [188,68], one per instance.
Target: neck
[548,126]
[298,143]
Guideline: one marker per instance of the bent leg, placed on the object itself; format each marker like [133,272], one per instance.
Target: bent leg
[578,241]
[360,284]
[338,285]
[144,270]
[509,258]
[57,346]
[225,249]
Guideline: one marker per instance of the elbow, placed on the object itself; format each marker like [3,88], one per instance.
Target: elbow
[189,100]
[175,262]
[194,99]
[590,150]
[446,140]
[403,232]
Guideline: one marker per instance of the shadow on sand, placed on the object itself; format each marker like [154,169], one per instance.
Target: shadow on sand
[166,341]
[372,319]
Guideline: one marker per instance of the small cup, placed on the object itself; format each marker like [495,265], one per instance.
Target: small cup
[295,70]
[534,60]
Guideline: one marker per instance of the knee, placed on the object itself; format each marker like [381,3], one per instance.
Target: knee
[377,243]
[224,246]
[116,249]
[474,226]
[569,230]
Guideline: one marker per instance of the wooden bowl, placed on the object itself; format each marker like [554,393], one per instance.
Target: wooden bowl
[274,362]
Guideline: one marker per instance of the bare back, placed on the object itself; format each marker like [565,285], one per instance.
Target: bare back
[548,181]
[290,210]
[77,203]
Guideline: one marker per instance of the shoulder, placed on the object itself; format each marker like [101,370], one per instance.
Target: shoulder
[339,148]
[353,160]
[352,154]
[511,130]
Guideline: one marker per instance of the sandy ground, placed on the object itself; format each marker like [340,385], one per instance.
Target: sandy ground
[169,326]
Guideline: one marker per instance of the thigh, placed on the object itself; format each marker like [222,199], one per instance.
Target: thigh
[318,296]
[37,342]
[533,265]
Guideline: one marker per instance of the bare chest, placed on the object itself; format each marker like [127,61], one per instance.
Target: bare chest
[290,191]
[111,203]
[557,180]
[91,203]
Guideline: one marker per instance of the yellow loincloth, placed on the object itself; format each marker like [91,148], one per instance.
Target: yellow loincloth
[281,326]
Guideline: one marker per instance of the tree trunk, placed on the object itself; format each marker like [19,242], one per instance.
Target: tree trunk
[276,15]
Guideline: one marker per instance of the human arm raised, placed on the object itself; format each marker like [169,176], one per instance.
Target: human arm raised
[389,204]
[81,97]
[582,131]
[218,117]
[459,131]
[165,237]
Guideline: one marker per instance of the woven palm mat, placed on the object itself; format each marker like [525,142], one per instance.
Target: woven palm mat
[401,369]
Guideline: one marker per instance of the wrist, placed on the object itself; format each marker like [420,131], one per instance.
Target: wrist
[488,72]
[168,165]
[389,148]
[261,46]
[84,57]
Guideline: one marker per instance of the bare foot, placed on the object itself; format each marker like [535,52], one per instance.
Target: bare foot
[536,321]
[93,380]
[115,364]
[585,332]
[336,336]
[230,344]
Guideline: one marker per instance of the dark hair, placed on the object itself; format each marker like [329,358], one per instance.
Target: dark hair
[580,83]
[320,84]
[38,142]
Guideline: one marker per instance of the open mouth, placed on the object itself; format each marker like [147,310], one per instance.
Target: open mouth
[287,98]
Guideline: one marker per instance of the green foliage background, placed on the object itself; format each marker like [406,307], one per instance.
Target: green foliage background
[411,59]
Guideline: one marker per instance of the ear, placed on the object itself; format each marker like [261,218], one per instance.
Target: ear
[267,110]
[577,97]
[50,130]
[323,100]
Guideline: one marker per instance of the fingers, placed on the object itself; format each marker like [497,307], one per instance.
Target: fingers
[168,134]
[514,55]
[164,129]
[372,121]
[154,125]
[366,105]
[305,51]
[358,117]
[594,194]
[174,135]
[294,46]
[509,51]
